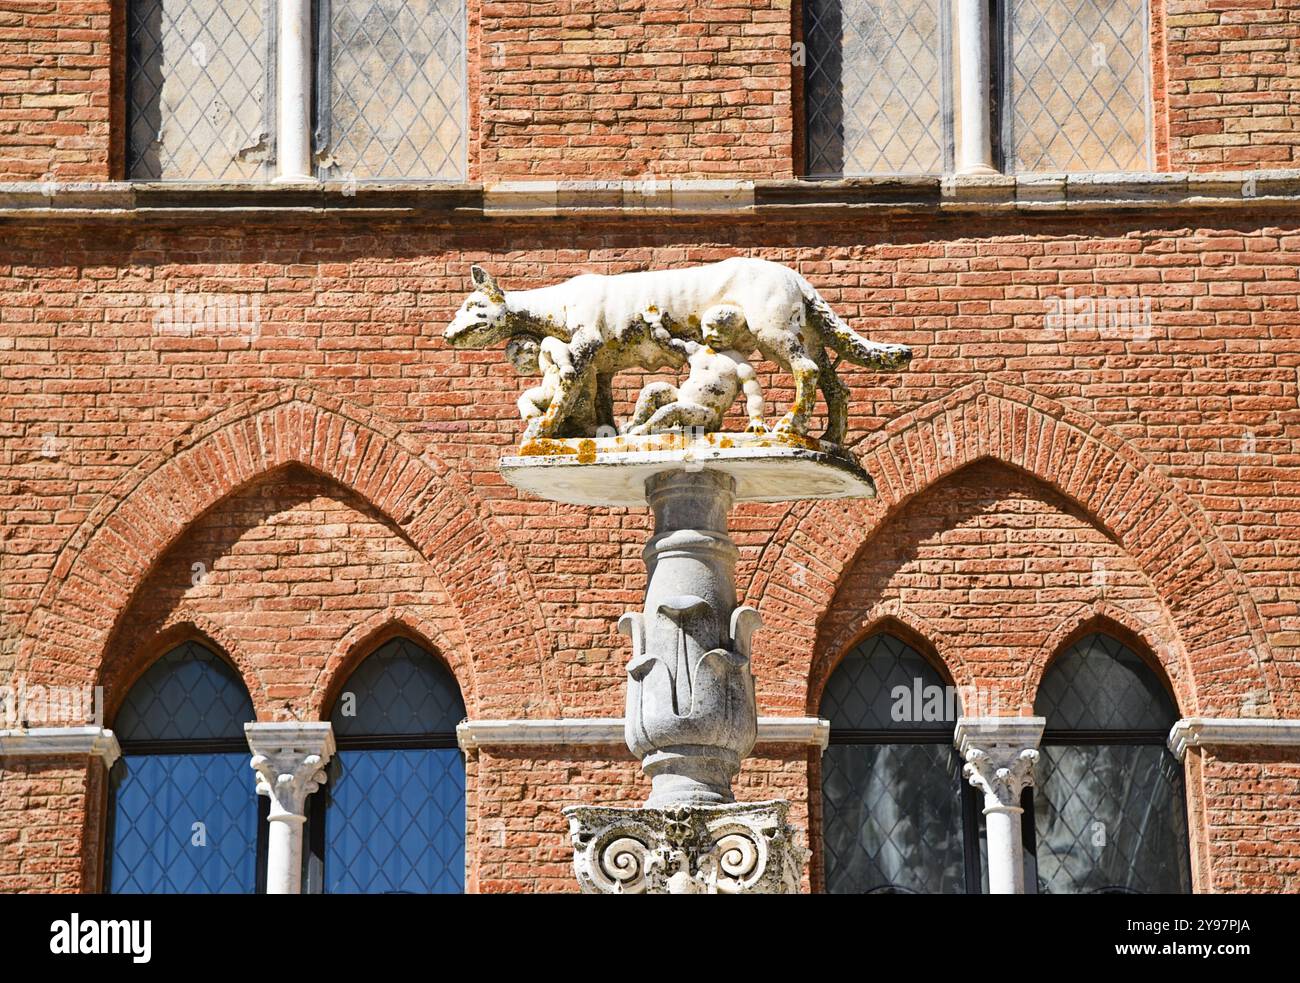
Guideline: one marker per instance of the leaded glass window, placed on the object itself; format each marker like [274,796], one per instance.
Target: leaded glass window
[391,89]
[1077,86]
[391,818]
[878,87]
[200,89]
[1109,806]
[184,815]
[896,814]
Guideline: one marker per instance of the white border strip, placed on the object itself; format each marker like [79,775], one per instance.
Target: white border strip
[589,731]
[1202,731]
[56,742]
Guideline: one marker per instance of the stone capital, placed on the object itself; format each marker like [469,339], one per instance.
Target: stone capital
[290,760]
[737,848]
[1000,754]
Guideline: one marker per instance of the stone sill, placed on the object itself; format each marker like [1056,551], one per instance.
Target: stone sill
[608,732]
[36,201]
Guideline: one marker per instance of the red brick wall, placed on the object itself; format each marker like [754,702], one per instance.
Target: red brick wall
[51,830]
[335,470]
[572,89]
[1252,818]
[1234,75]
[55,80]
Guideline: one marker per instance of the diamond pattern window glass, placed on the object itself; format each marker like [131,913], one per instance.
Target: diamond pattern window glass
[897,818]
[878,87]
[184,810]
[189,694]
[199,90]
[398,689]
[1077,86]
[1109,810]
[391,98]
[391,818]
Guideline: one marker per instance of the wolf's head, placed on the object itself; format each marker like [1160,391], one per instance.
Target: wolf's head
[483,319]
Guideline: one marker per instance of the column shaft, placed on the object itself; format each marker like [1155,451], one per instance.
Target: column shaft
[293,88]
[976,152]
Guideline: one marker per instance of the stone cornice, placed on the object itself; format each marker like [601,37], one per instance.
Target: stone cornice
[654,199]
[608,731]
[1015,733]
[59,742]
[1229,731]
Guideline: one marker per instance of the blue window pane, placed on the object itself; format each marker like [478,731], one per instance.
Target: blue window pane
[396,822]
[400,689]
[157,803]
[876,677]
[188,694]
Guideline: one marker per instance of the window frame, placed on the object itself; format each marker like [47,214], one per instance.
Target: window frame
[186,746]
[316,843]
[1091,737]
[969,805]
[322,111]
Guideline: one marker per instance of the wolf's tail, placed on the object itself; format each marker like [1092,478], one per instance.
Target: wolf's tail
[838,335]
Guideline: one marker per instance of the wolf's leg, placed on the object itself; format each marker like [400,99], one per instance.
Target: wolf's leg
[780,332]
[653,396]
[605,402]
[837,399]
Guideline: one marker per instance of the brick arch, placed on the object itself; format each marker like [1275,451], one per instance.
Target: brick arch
[366,636]
[1146,513]
[112,552]
[1150,640]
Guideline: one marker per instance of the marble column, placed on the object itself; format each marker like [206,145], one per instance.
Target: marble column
[976,150]
[1000,754]
[293,90]
[290,760]
[691,715]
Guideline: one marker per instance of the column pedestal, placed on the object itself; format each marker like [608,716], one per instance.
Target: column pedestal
[691,715]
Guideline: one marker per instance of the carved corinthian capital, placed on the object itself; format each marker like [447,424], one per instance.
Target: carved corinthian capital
[290,761]
[1001,776]
[740,848]
[1000,754]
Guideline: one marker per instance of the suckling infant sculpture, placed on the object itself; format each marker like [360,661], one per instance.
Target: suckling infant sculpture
[581,332]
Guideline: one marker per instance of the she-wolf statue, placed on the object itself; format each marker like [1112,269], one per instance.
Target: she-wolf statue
[615,322]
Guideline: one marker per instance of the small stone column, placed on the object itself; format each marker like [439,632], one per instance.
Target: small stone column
[1000,753]
[976,152]
[691,714]
[290,760]
[293,87]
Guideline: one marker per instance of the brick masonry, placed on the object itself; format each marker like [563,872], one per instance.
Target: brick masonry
[331,463]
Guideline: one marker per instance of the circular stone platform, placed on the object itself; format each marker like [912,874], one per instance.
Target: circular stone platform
[613,470]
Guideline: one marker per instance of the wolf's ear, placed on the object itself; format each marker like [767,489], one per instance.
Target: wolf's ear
[483,280]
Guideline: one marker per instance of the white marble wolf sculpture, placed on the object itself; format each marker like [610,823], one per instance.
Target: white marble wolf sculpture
[609,324]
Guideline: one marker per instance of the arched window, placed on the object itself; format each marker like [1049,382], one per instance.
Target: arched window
[184,815]
[1109,809]
[391,818]
[896,814]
